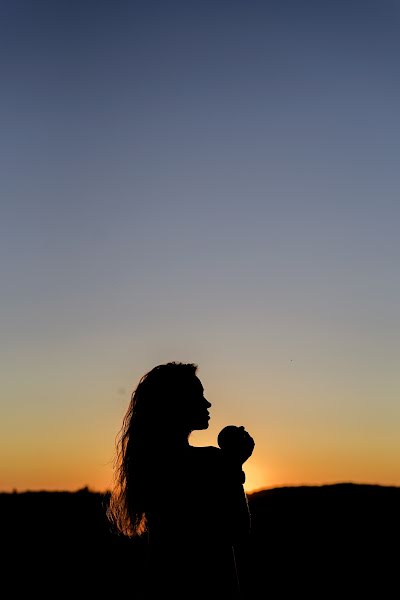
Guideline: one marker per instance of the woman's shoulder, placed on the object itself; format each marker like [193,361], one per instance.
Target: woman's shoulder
[206,456]
[206,451]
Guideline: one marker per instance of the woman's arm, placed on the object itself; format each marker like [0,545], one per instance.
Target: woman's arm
[236,447]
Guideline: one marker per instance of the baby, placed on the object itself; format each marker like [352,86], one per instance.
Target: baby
[236,443]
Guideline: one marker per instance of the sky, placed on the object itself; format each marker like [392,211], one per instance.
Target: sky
[213,182]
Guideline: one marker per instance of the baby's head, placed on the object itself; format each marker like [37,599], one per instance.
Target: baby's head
[229,436]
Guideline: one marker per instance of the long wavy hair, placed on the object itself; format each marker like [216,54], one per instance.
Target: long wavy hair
[147,428]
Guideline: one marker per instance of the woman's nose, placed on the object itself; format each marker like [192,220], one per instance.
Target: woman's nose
[208,404]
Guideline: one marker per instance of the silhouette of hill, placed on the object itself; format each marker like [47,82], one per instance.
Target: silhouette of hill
[313,540]
[340,539]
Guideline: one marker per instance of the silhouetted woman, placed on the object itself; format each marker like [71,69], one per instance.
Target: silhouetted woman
[189,500]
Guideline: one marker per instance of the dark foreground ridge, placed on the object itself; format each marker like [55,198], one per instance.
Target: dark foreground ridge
[312,540]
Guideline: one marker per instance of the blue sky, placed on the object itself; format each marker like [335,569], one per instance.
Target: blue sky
[214,182]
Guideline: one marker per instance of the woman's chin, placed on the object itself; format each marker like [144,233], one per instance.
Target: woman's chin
[202,425]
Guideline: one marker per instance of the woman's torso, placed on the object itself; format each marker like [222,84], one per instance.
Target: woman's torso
[190,551]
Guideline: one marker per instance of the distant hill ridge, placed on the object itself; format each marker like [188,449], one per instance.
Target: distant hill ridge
[343,485]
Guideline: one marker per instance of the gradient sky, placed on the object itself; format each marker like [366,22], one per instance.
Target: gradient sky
[213,182]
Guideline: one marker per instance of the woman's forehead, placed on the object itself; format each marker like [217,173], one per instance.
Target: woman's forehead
[196,383]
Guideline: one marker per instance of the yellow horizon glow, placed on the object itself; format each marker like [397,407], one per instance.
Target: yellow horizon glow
[99,479]
[61,444]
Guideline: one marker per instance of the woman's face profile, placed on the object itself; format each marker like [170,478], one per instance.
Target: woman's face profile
[195,405]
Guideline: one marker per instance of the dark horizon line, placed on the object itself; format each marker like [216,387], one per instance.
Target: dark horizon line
[88,489]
